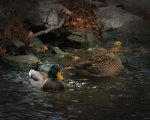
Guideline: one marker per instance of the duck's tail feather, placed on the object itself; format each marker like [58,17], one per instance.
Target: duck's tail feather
[36,75]
[30,72]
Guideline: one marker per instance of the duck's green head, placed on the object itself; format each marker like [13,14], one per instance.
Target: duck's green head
[54,72]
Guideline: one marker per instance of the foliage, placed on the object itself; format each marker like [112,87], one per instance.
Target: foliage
[82,16]
[14,31]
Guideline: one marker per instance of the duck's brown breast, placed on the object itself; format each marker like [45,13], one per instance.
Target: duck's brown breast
[53,85]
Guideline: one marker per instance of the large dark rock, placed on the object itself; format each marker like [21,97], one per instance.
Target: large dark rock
[16,48]
[87,39]
[4,21]
[37,46]
[140,30]
[38,12]
[112,17]
[22,62]
[120,25]
[134,34]
[134,6]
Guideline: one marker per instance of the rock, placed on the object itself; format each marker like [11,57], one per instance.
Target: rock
[4,21]
[37,46]
[40,13]
[76,36]
[39,49]
[127,40]
[16,48]
[22,62]
[134,6]
[134,34]
[112,17]
[60,53]
[140,30]
[87,39]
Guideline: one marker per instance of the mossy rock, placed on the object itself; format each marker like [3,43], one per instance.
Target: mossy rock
[86,38]
[21,62]
[37,44]
[126,39]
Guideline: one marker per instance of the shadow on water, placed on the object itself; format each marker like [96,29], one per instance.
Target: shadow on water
[125,96]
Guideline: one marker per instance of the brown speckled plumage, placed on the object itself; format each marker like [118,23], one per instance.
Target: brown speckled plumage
[99,64]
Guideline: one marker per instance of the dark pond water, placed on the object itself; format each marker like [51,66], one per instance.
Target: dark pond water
[122,97]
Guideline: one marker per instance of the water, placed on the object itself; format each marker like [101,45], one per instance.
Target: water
[125,96]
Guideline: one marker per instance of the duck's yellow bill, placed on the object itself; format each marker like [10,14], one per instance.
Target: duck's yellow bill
[59,76]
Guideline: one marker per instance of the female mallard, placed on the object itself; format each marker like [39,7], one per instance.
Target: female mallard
[47,81]
[100,63]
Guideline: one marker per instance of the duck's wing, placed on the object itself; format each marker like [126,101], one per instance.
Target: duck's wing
[44,74]
[99,63]
[35,75]
[95,64]
[37,84]
[82,64]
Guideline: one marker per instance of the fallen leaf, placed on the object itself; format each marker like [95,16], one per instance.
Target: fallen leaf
[75,57]
[31,34]
[117,43]
[68,68]
[45,48]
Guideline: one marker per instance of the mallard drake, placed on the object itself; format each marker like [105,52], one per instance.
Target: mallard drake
[100,63]
[47,81]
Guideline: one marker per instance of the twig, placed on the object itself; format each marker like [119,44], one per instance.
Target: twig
[50,28]
[66,11]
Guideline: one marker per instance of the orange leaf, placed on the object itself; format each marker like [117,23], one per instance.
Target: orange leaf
[45,48]
[74,23]
[31,34]
[75,57]
[79,19]
[68,68]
